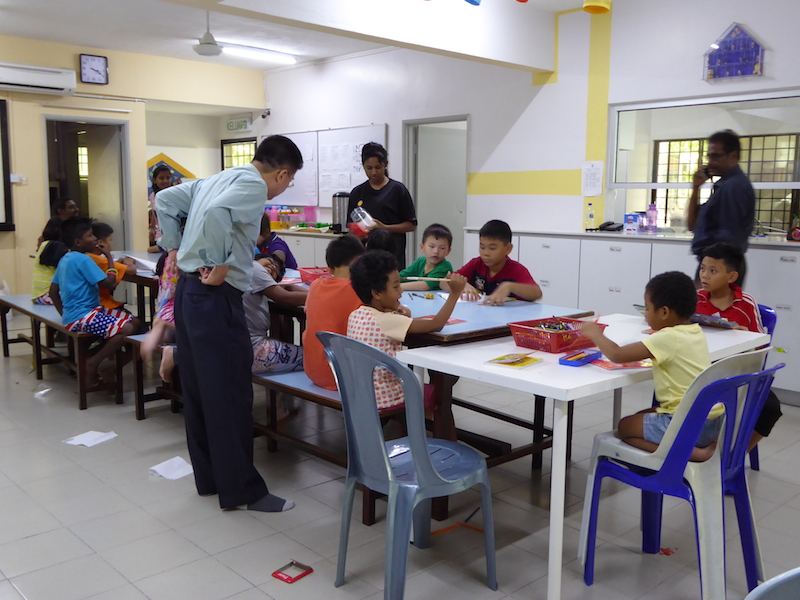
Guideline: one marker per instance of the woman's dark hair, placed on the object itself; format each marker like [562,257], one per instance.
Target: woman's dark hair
[343,251]
[158,170]
[371,272]
[279,152]
[675,290]
[278,262]
[102,230]
[52,231]
[74,228]
[374,150]
[380,239]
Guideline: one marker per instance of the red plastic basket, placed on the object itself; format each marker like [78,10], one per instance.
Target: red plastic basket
[309,274]
[531,334]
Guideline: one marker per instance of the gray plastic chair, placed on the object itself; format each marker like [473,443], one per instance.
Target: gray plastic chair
[785,586]
[409,470]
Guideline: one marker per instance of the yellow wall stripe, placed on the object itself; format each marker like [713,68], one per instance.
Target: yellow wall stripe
[566,182]
[552,77]
[597,104]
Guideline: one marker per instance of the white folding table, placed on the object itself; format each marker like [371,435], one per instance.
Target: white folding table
[564,385]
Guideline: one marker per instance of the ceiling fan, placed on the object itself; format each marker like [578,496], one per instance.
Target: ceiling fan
[208,45]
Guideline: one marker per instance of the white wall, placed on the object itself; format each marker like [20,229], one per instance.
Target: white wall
[658,47]
[190,140]
[513,125]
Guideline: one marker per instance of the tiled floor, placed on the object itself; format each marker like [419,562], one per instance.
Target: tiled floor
[79,523]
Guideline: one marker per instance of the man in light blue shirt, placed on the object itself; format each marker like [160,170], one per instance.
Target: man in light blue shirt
[215,254]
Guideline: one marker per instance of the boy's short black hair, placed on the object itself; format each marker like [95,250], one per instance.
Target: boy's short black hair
[380,239]
[277,260]
[731,256]
[438,231]
[675,290]
[52,231]
[496,230]
[371,272]
[102,230]
[343,250]
[74,228]
[279,152]
[728,139]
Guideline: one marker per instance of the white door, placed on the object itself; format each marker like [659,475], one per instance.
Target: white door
[438,181]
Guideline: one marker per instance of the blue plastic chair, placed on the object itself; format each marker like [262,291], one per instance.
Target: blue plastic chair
[409,470]
[769,319]
[668,470]
[785,586]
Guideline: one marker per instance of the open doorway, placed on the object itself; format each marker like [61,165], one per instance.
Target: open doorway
[436,176]
[85,162]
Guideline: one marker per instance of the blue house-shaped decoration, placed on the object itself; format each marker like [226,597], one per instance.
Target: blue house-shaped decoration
[735,54]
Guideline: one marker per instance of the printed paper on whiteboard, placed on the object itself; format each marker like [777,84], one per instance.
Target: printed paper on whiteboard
[592,178]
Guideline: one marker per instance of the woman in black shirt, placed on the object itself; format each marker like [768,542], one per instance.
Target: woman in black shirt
[386,200]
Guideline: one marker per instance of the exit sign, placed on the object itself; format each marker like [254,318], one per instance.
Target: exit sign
[240,125]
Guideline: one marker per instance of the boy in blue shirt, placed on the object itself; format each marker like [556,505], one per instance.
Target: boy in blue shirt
[76,295]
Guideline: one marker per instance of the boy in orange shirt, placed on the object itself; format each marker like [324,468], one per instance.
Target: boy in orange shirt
[328,305]
[105,241]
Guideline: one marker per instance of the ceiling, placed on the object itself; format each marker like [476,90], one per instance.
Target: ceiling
[170,29]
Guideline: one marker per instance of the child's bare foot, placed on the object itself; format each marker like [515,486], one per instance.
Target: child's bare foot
[153,339]
[167,363]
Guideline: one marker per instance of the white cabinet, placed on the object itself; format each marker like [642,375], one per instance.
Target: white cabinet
[320,247]
[672,256]
[613,275]
[302,248]
[773,279]
[555,265]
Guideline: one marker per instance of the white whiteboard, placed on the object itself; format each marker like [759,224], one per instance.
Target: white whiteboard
[303,191]
[339,162]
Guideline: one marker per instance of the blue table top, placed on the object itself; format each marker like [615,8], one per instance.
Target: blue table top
[482,320]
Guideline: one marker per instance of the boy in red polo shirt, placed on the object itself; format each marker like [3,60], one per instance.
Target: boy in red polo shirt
[720,297]
[493,277]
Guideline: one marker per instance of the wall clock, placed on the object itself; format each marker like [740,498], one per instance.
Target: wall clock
[94,69]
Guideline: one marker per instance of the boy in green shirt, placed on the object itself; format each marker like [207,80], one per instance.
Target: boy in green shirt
[436,245]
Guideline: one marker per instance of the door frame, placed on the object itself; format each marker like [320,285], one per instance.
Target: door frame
[410,140]
[126,191]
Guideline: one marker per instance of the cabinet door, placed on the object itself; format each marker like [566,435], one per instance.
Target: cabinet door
[671,256]
[773,279]
[613,275]
[302,248]
[555,265]
[320,247]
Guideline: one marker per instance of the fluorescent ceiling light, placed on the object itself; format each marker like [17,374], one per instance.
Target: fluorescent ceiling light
[257,53]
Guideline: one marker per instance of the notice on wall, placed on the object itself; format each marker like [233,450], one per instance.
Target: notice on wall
[592,178]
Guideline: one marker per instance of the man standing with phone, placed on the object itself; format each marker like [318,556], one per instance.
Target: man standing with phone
[729,213]
[215,255]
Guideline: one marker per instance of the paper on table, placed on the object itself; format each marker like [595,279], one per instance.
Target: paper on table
[90,438]
[143,263]
[174,468]
[446,295]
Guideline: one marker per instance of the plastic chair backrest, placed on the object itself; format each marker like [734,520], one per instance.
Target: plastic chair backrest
[353,364]
[781,587]
[769,318]
[742,396]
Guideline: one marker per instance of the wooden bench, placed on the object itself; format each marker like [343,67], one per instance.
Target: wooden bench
[77,349]
[163,391]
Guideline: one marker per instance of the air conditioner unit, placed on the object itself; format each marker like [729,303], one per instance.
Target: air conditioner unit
[37,80]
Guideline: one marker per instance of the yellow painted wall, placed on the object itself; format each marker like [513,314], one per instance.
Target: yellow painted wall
[130,76]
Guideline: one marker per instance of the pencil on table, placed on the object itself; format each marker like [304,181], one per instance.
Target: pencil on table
[426,278]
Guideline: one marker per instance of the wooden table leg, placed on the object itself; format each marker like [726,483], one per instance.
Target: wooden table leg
[138,378]
[444,426]
[140,302]
[81,351]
